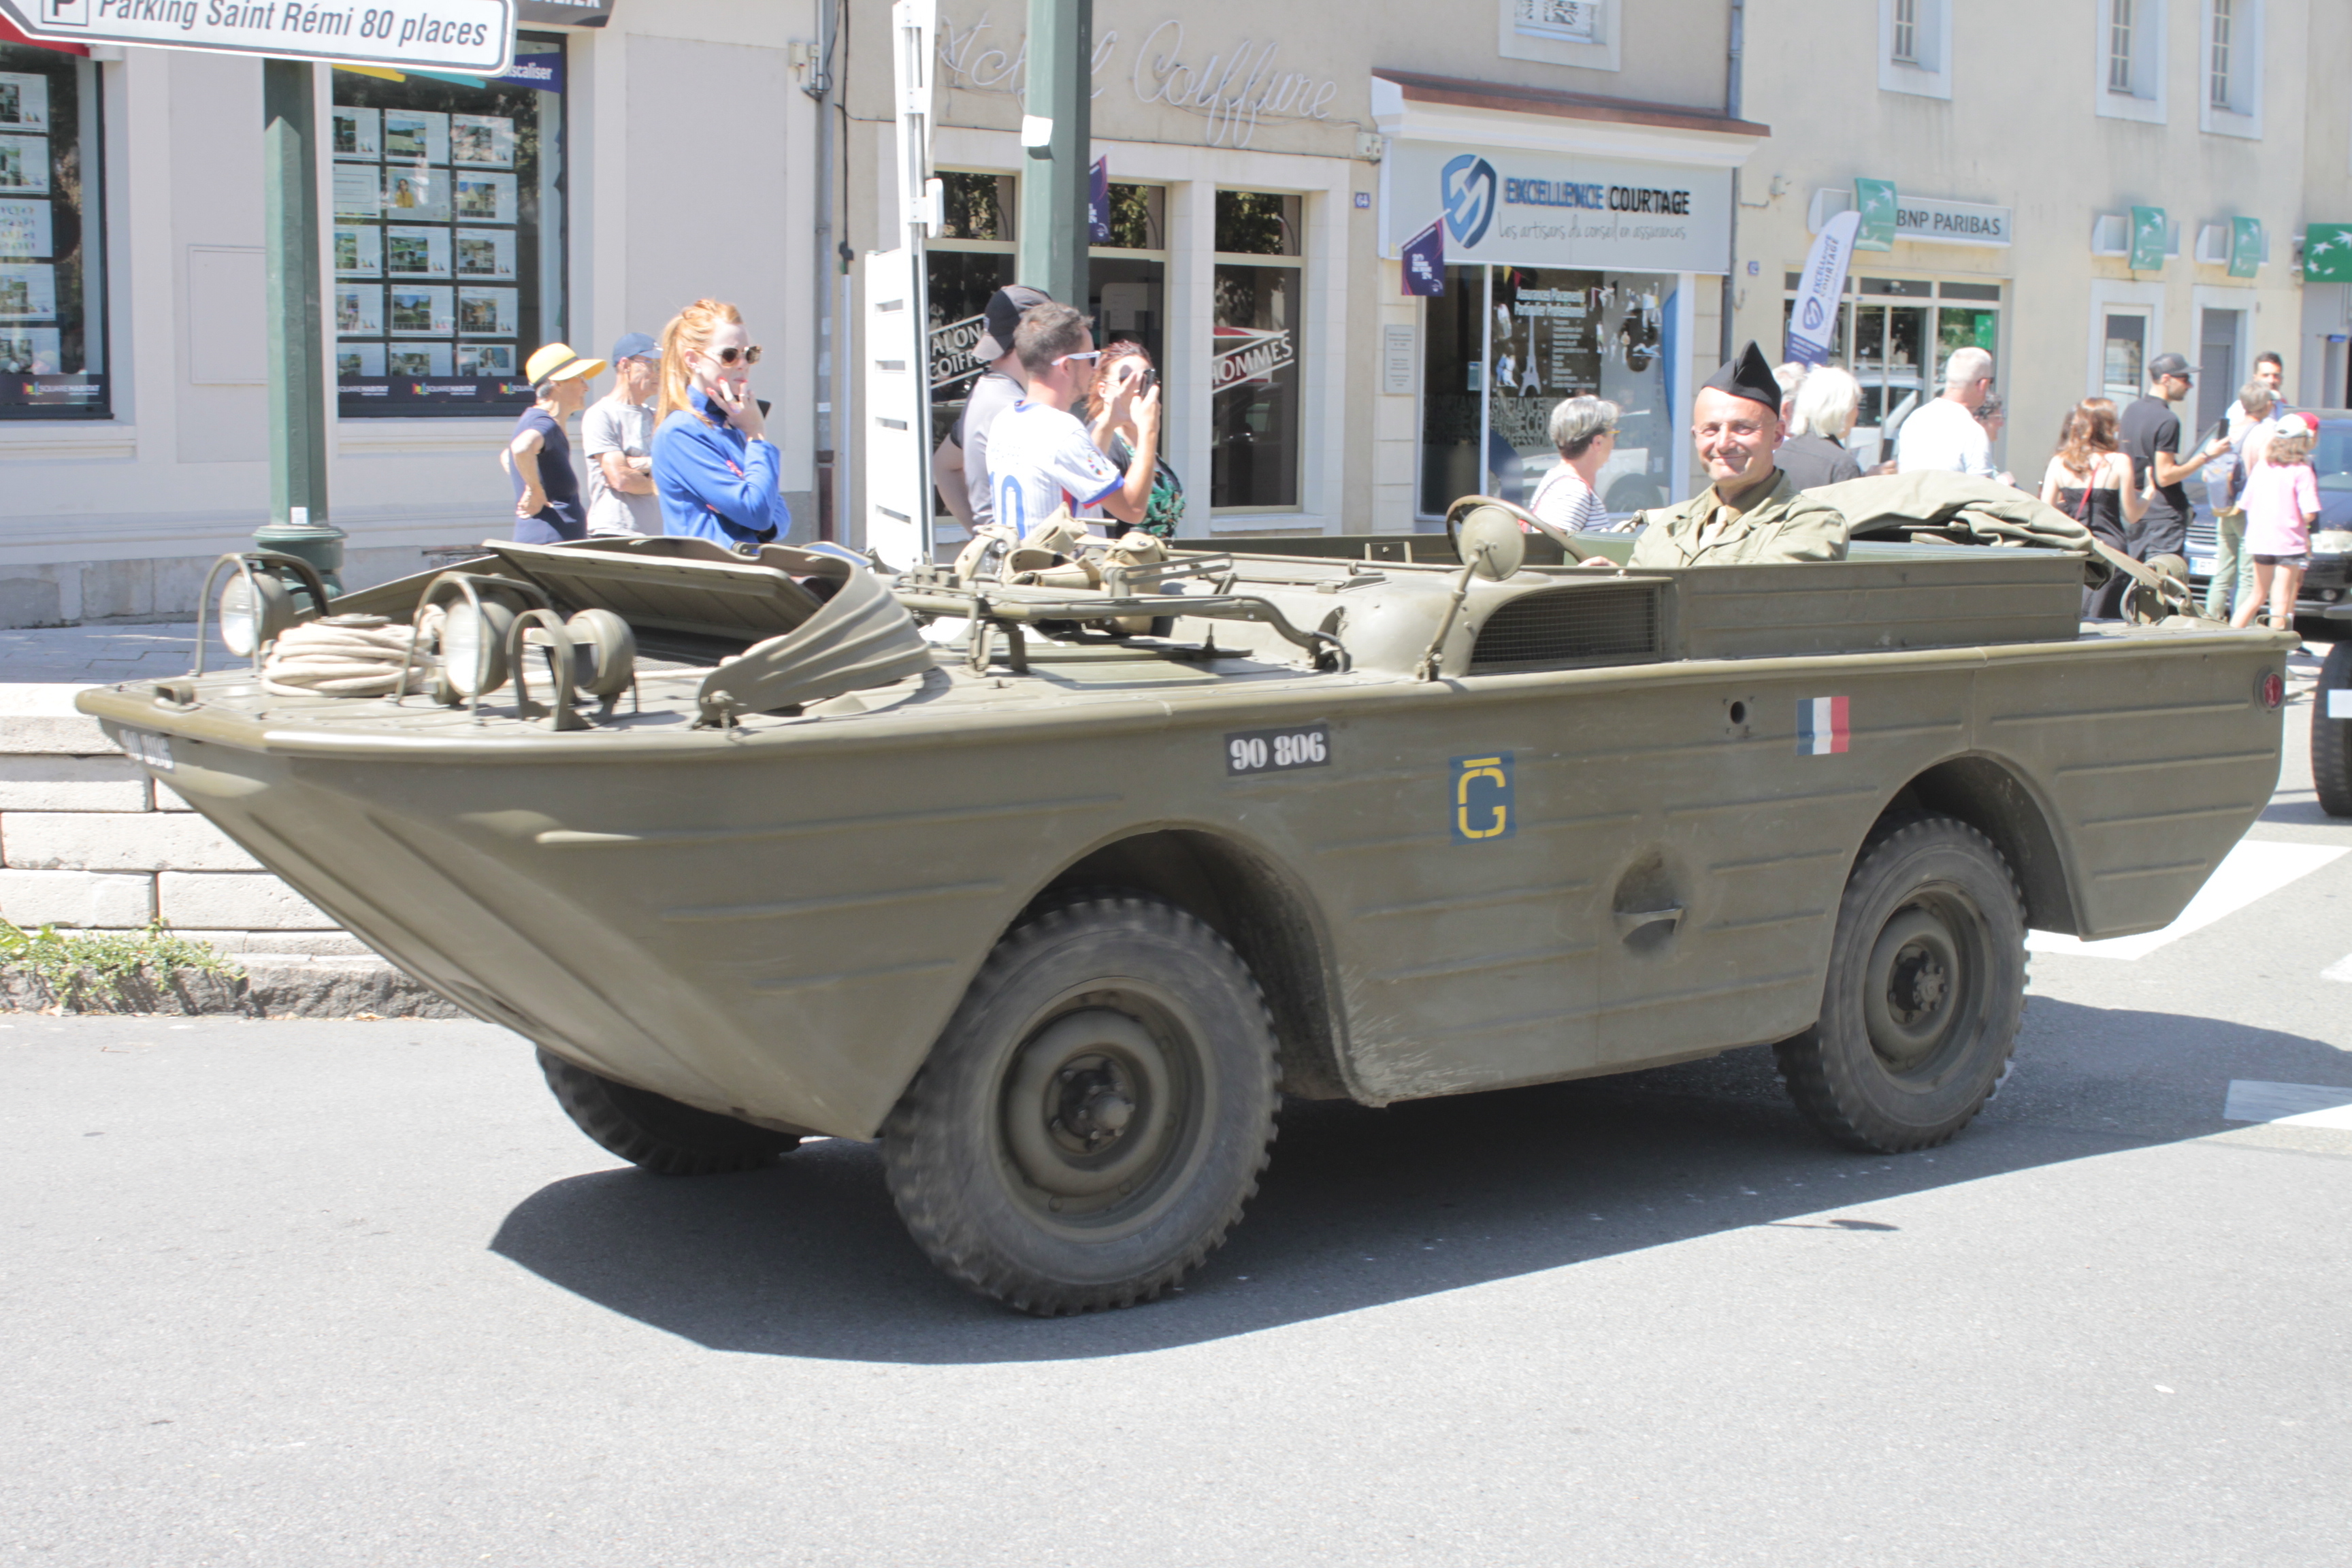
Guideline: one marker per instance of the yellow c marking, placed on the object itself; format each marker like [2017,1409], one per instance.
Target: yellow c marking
[1479,768]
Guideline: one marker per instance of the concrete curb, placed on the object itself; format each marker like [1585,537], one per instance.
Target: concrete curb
[273,985]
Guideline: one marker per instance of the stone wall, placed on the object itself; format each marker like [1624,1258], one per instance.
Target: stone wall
[88,841]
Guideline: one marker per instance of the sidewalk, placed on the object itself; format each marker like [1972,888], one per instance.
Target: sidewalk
[100,654]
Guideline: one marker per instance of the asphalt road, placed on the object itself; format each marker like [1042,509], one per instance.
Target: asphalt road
[307,1294]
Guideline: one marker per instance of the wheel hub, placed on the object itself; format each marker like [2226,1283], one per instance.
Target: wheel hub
[1091,1113]
[1909,995]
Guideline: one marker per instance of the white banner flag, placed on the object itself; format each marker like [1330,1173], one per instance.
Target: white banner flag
[1812,320]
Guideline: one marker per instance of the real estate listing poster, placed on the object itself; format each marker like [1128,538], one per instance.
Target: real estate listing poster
[421,312]
[417,359]
[486,253]
[486,359]
[29,350]
[24,101]
[484,198]
[24,165]
[359,311]
[359,359]
[487,312]
[359,132]
[359,250]
[418,194]
[29,293]
[485,140]
[415,252]
[416,136]
[359,192]
[25,230]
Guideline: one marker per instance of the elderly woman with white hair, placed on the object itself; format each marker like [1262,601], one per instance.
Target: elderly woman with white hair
[1584,429]
[1815,452]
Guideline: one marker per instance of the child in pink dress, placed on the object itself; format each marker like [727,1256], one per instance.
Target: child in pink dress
[2281,501]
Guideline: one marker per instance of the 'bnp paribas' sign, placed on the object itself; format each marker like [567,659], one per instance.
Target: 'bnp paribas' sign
[1542,209]
[472,37]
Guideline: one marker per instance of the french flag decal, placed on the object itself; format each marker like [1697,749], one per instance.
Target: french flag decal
[1821,726]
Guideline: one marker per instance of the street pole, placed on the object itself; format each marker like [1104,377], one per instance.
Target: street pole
[298,521]
[1057,132]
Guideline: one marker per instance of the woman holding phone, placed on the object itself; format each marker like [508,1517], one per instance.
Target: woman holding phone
[714,468]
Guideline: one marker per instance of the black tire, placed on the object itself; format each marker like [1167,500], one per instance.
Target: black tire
[1926,987]
[1096,1114]
[657,1132]
[2331,739]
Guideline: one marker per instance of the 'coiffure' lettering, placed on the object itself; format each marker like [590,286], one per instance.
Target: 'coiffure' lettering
[1529,193]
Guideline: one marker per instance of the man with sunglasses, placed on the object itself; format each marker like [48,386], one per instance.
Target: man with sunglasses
[1042,459]
[959,466]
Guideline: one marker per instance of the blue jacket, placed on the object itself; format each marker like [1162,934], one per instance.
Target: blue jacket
[713,484]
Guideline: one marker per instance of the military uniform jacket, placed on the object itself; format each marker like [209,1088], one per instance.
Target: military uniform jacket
[1782,524]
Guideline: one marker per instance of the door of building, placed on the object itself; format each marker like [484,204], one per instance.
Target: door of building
[2217,336]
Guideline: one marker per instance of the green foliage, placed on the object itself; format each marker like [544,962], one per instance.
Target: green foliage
[77,968]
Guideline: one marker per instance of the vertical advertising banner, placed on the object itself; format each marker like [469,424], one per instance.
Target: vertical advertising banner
[1812,319]
[2148,235]
[1098,202]
[1876,201]
[1425,260]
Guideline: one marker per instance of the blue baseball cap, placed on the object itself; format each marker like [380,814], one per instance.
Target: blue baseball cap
[635,345]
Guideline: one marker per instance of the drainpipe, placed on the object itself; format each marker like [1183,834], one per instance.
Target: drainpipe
[819,87]
[1732,106]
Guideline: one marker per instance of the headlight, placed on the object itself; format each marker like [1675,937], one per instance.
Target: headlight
[473,647]
[255,609]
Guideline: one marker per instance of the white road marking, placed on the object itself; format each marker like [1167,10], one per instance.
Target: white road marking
[2288,1104]
[2251,870]
[2339,970]
[2339,703]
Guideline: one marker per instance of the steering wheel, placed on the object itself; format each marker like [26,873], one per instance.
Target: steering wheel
[1567,542]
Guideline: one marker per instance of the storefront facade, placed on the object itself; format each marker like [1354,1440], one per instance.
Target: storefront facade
[1258,160]
[2077,208]
[464,223]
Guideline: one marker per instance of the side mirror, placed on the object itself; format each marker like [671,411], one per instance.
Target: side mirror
[1491,543]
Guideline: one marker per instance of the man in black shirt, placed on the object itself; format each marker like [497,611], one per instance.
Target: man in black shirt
[2151,437]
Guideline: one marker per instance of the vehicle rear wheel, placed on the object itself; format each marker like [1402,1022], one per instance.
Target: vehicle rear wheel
[657,1133]
[2331,738]
[1095,1115]
[1927,985]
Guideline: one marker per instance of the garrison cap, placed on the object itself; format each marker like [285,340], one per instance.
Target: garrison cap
[1748,375]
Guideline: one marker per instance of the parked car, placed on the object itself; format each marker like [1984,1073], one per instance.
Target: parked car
[2329,578]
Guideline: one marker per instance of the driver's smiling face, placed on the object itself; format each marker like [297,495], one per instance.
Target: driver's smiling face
[1735,438]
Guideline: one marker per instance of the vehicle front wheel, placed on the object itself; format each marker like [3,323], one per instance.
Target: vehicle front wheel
[2331,737]
[1926,989]
[1095,1114]
[657,1133]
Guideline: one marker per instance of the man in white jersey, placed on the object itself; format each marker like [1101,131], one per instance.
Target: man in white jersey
[1041,458]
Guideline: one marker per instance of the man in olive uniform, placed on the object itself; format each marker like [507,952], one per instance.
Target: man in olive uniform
[1750,514]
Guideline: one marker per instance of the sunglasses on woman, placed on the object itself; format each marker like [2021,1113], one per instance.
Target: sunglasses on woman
[727,356]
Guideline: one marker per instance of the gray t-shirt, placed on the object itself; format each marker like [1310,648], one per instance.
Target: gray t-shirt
[608,425]
[991,395]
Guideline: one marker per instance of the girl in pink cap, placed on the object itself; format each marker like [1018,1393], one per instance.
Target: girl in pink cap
[2281,501]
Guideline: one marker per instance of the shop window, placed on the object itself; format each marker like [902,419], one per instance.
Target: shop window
[968,260]
[2124,373]
[1254,443]
[1915,50]
[1895,335]
[448,237]
[1127,277]
[52,241]
[1549,334]
[2231,102]
[2130,59]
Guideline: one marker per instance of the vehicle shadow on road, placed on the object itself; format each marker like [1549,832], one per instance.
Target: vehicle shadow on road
[1363,1208]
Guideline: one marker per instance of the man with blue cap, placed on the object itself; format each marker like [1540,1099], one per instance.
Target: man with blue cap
[1749,514]
[617,434]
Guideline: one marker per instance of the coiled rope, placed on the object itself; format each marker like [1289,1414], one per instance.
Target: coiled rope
[340,655]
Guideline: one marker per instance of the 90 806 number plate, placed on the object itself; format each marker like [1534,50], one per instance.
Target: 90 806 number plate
[1277,751]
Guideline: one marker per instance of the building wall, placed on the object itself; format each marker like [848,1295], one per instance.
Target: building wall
[2020,129]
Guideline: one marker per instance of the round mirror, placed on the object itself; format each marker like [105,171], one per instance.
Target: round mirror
[1490,541]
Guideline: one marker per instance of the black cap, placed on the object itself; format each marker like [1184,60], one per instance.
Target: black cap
[1000,318]
[2169,364]
[1748,375]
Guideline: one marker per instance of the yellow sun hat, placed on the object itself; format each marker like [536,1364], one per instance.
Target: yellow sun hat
[556,363]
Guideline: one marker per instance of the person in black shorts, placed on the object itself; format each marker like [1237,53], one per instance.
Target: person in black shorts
[538,456]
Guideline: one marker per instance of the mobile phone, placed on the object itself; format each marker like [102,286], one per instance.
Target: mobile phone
[1146,381]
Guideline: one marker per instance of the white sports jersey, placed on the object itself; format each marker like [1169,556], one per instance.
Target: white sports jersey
[1041,459]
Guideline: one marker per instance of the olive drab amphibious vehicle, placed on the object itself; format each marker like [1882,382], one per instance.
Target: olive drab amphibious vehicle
[1055,880]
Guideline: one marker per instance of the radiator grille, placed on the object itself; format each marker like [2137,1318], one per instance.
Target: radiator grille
[1569,625]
